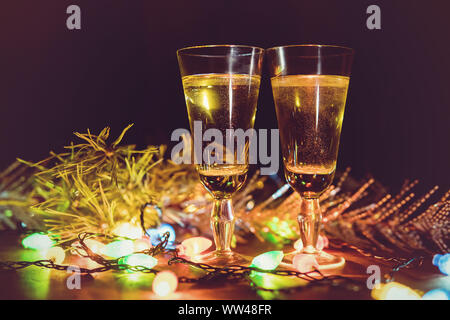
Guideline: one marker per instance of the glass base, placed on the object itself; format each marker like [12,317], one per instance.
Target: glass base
[325,260]
[223,259]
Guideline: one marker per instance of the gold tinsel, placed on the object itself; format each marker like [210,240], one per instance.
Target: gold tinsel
[96,185]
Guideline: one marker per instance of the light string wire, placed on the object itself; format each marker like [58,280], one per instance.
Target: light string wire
[234,273]
[106,264]
[339,244]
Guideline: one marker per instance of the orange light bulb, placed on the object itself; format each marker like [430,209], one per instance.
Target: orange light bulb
[194,246]
[394,291]
[56,254]
[165,283]
[305,262]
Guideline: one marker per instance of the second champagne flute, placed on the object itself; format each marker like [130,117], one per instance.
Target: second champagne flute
[221,87]
[309,84]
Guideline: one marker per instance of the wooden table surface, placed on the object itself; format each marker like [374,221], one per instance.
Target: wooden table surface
[39,283]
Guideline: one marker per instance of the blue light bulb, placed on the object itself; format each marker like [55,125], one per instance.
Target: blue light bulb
[436,259]
[436,294]
[444,264]
[156,235]
[165,227]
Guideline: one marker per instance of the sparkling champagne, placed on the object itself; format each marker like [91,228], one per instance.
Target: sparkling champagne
[222,101]
[223,181]
[310,111]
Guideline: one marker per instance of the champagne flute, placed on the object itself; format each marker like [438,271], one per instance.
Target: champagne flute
[309,85]
[221,86]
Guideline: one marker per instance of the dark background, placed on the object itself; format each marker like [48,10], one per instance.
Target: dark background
[121,68]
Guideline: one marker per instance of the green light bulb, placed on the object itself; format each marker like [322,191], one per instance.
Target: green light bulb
[38,241]
[268,260]
[139,259]
[117,249]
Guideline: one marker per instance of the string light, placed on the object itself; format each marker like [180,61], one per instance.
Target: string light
[165,283]
[436,259]
[154,235]
[165,227]
[141,245]
[37,241]
[56,254]
[394,291]
[127,230]
[442,262]
[95,246]
[157,233]
[305,262]
[87,263]
[298,245]
[117,249]
[194,246]
[268,260]
[139,259]
[322,242]
[436,294]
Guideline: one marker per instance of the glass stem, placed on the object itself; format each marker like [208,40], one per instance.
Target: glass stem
[222,223]
[309,220]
